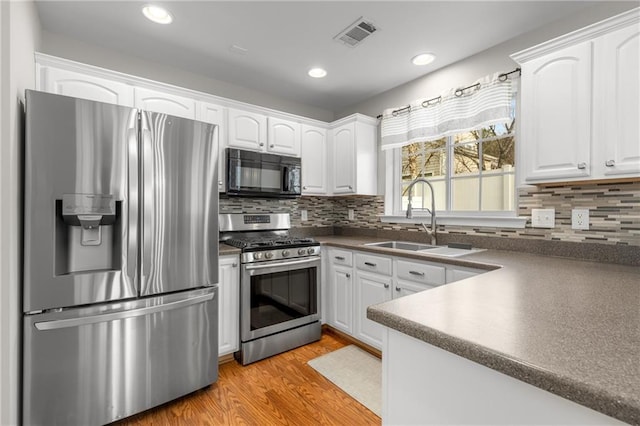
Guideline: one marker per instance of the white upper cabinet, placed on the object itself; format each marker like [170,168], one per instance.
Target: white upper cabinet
[344,170]
[314,160]
[580,104]
[283,137]
[354,155]
[556,114]
[78,85]
[215,114]
[257,132]
[166,103]
[247,130]
[617,101]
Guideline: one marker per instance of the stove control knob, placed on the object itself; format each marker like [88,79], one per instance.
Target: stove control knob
[310,250]
[268,255]
[285,253]
[301,251]
[257,256]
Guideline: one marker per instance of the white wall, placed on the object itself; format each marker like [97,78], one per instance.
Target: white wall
[19,38]
[76,50]
[495,59]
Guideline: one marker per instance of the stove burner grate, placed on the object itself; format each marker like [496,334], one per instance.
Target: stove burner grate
[243,243]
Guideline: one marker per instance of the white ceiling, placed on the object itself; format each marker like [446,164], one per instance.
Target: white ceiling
[285,39]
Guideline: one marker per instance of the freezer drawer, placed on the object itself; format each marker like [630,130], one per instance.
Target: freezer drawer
[95,365]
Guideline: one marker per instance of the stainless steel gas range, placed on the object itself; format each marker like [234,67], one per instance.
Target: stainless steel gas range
[279,284]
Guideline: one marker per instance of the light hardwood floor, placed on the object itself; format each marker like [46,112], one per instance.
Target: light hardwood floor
[281,390]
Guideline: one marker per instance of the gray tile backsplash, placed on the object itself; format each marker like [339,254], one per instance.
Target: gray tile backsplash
[614,210]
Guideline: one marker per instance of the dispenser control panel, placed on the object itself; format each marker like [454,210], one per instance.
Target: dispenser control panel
[82,204]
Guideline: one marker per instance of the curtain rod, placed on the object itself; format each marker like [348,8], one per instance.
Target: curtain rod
[502,77]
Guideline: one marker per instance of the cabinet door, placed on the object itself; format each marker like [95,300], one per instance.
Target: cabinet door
[371,289]
[228,305]
[165,103]
[283,137]
[314,160]
[617,102]
[77,85]
[405,288]
[341,283]
[212,113]
[556,115]
[247,130]
[344,161]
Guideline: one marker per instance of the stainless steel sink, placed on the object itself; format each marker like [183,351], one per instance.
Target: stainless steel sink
[403,245]
[444,251]
[452,251]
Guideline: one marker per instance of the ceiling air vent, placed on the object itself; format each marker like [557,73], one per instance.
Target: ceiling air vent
[356,32]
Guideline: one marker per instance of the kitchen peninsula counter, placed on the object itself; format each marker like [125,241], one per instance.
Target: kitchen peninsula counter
[569,327]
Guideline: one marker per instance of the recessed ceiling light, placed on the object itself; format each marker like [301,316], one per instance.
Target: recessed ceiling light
[157,14]
[423,59]
[317,72]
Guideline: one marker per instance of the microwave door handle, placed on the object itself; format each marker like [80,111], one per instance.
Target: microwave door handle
[285,184]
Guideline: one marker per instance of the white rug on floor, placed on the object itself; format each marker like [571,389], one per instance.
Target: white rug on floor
[356,372]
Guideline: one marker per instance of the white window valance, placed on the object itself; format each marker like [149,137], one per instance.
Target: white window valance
[488,101]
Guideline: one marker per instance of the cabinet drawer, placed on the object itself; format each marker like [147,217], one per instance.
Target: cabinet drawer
[341,257]
[421,272]
[377,264]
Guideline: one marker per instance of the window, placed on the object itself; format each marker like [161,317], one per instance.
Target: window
[471,172]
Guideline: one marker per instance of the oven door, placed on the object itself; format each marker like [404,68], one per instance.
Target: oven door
[278,295]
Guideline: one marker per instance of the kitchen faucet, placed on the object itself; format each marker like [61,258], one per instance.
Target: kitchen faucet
[431,232]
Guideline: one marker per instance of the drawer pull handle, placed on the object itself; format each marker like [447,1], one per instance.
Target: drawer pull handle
[610,163]
[370,264]
[582,166]
[340,257]
[234,265]
[348,275]
[420,274]
[398,289]
[386,286]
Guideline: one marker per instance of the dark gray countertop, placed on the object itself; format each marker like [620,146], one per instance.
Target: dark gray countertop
[567,326]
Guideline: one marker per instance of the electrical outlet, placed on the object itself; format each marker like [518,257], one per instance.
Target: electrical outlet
[351,214]
[303,215]
[543,218]
[580,219]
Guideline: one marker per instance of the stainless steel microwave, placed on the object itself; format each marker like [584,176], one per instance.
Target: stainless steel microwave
[254,174]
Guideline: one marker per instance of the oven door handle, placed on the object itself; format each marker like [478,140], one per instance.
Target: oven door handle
[253,267]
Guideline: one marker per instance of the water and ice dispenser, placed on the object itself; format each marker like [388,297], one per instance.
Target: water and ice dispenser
[87,233]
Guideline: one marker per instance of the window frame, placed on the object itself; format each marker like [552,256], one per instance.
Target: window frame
[393,212]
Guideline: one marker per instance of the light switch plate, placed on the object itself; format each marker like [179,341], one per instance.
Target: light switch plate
[351,214]
[543,218]
[579,219]
[303,215]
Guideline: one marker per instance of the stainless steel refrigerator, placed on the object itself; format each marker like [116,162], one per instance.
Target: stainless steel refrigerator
[120,260]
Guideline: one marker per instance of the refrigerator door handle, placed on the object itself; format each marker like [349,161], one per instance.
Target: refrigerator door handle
[112,316]
[132,200]
[146,200]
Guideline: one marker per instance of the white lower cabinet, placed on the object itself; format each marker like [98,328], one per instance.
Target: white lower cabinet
[371,289]
[357,280]
[228,304]
[340,288]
